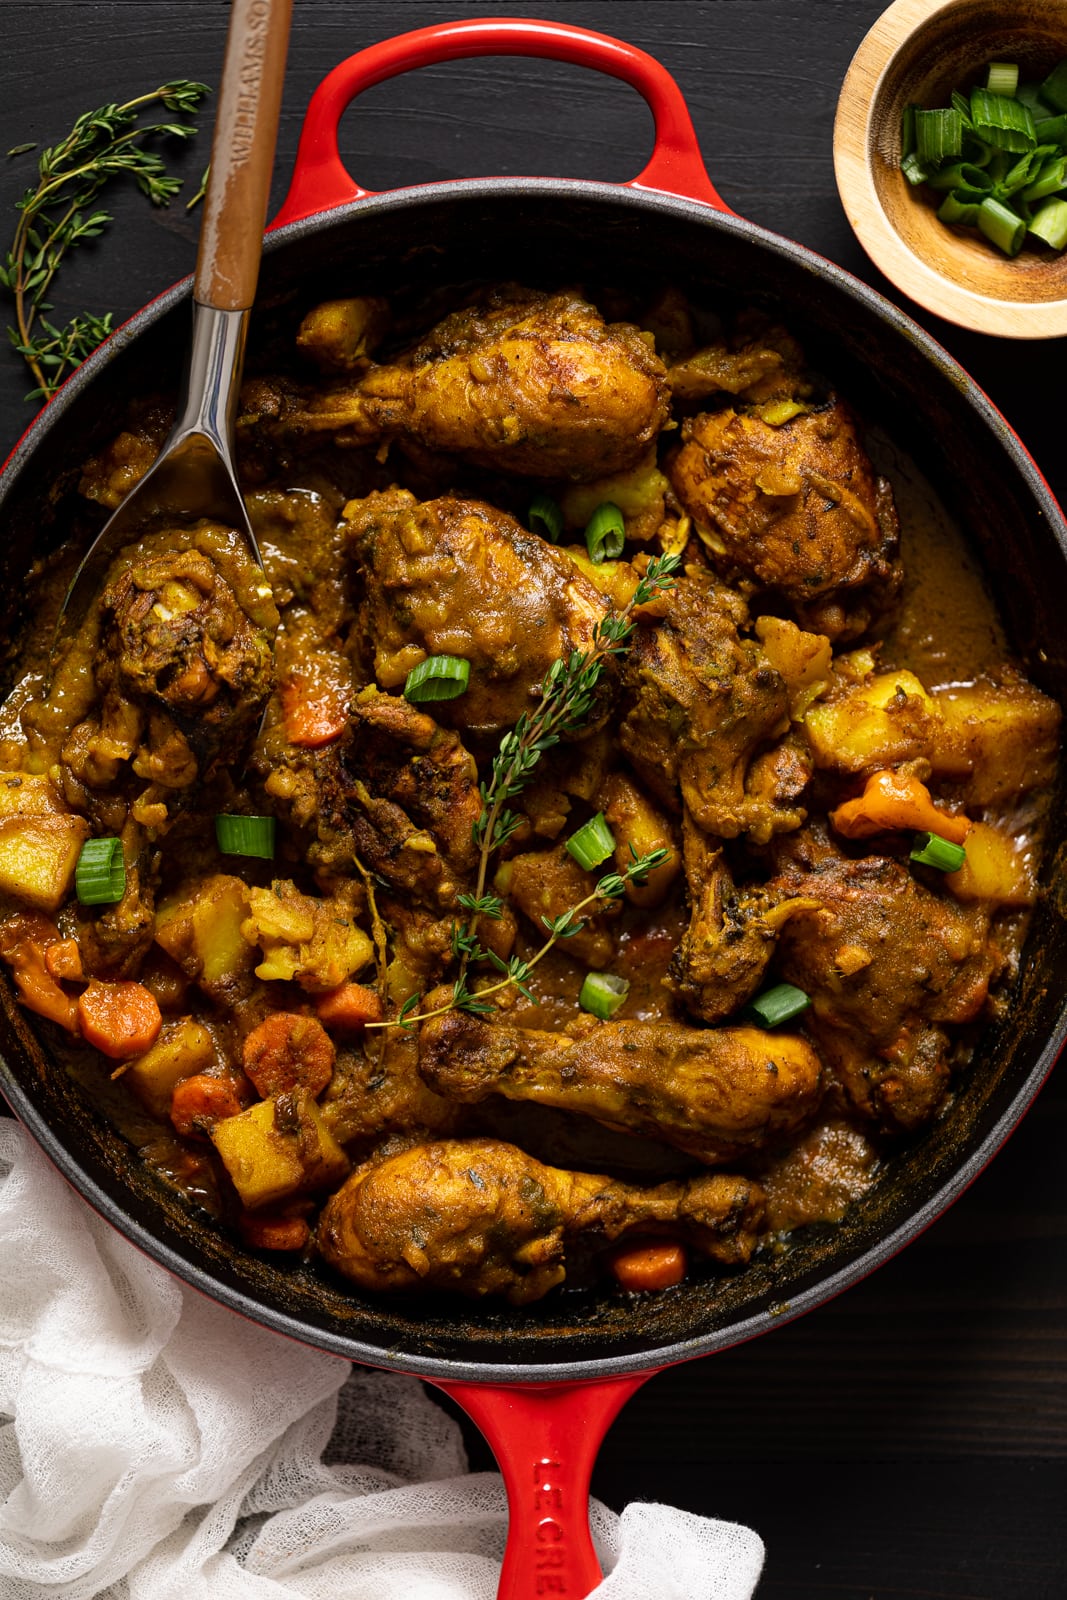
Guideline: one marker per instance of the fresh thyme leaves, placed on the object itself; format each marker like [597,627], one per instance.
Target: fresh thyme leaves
[58,214]
[567,695]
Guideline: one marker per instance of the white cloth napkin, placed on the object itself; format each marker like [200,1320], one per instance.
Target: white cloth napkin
[155,1446]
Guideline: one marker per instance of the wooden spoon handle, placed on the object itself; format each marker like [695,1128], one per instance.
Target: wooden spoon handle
[242,154]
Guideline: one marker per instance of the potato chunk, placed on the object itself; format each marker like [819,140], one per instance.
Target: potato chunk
[998,868]
[1003,736]
[29,794]
[278,1148]
[38,855]
[315,942]
[201,929]
[888,718]
[183,1049]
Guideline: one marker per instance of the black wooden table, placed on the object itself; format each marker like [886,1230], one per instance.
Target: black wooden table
[909,1439]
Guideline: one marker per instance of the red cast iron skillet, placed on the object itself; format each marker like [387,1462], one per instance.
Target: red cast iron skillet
[545,1381]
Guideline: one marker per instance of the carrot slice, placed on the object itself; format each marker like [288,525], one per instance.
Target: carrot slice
[200,1101]
[64,960]
[650,1266]
[313,716]
[25,940]
[895,800]
[289,1051]
[119,1019]
[349,1008]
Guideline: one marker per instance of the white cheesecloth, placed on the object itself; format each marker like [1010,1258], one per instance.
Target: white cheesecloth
[156,1446]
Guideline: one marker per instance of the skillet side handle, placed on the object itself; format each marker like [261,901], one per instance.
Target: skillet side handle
[545,1438]
[242,154]
[321,182]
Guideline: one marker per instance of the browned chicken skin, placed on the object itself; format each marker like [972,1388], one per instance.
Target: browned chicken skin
[715,1093]
[887,964]
[480,1217]
[399,794]
[794,509]
[522,382]
[727,947]
[457,577]
[700,700]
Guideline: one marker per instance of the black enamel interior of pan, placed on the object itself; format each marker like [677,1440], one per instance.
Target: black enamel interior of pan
[557,233]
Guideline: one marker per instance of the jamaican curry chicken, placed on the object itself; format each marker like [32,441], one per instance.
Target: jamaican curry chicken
[586,849]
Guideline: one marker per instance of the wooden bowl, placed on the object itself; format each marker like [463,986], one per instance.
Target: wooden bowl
[917,53]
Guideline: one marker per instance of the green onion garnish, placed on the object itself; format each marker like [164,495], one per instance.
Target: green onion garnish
[932,851]
[957,208]
[437,678]
[603,993]
[913,170]
[1054,89]
[1051,130]
[605,533]
[592,844]
[961,175]
[775,1006]
[1001,226]
[543,509]
[1051,177]
[1049,223]
[245,836]
[1007,124]
[1003,78]
[938,136]
[100,876]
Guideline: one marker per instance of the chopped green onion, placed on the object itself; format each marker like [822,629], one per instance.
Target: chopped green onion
[437,678]
[245,836]
[543,509]
[907,131]
[1054,88]
[930,850]
[1030,95]
[1050,179]
[1049,223]
[1051,130]
[976,152]
[957,209]
[938,136]
[592,844]
[780,1004]
[605,533]
[1003,78]
[961,175]
[1005,123]
[1001,226]
[603,993]
[100,875]
[962,104]
[913,170]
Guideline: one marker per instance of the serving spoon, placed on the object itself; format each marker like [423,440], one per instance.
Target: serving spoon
[193,477]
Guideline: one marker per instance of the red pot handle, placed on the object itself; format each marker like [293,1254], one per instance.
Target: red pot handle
[545,1438]
[321,182]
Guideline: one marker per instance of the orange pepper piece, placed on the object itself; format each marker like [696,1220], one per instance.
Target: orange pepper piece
[893,800]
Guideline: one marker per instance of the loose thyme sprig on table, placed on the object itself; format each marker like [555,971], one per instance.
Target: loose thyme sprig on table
[567,694]
[57,216]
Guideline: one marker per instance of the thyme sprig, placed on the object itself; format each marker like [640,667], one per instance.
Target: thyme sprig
[517,972]
[567,694]
[58,214]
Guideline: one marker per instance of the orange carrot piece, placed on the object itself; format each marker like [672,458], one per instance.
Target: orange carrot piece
[349,1008]
[311,714]
[274,1233]
[25,939]
[200,1101]
[893,800]
[119,1019]
[289,1051]
[650,1266]
[64,960]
